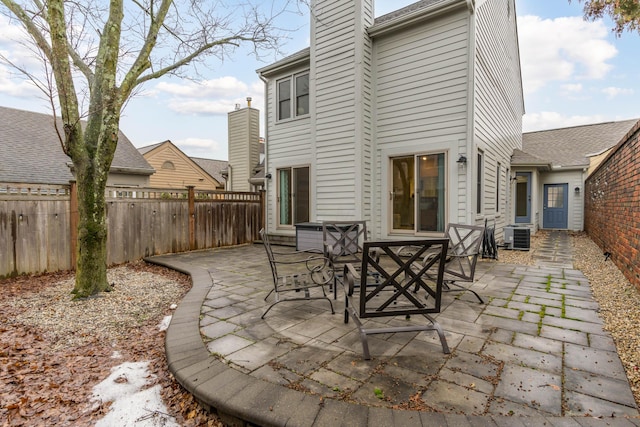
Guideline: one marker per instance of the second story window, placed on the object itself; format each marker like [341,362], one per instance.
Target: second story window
[293,96]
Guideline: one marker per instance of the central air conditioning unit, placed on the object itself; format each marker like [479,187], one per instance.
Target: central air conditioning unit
[517,237]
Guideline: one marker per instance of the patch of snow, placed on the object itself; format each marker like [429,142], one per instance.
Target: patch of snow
[132,405]
[164,324]
[116,355]
[173,306]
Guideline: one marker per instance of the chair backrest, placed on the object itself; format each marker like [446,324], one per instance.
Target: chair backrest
[464,248]
[343,240]
[388,281]
[267,247]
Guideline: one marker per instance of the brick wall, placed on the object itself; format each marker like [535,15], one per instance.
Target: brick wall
[612,205]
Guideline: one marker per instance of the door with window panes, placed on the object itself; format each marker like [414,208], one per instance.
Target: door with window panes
[293,195]
[418,193]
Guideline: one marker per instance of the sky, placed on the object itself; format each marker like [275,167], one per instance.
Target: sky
[574,72]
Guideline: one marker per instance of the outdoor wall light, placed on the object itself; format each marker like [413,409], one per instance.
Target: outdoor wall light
[577,189]
[462,159]
[268,176]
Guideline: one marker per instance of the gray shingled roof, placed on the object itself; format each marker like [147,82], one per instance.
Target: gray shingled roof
[569,147]
[31,151]
[144,150]
[212,167]
[521,158]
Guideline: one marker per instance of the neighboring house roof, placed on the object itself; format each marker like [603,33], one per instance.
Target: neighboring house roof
[571,146]
[144,150]
[212,167]
[207,167]
[32,153]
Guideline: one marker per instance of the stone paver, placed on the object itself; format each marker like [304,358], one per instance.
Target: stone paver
[535,354]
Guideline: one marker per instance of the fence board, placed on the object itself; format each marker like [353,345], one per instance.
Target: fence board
[35,228]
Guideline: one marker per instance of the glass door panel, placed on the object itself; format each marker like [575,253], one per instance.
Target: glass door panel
[284,196]
[301,195]
[431,192]
[402,195]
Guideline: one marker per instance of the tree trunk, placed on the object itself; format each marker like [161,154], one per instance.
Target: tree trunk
[92,170]
[91,268]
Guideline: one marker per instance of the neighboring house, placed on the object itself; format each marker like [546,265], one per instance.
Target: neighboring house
[550,171]
[31,153]
[245,171]
[213,167]
[407,121]
[174,169]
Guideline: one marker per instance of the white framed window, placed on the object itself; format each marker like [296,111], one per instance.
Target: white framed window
[293,195]
[293,96]
[418,195]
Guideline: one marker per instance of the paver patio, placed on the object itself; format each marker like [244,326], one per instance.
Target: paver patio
[536,349]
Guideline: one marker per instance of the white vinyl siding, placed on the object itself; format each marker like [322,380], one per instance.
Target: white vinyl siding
[341,72]
[497,96]
[422,94]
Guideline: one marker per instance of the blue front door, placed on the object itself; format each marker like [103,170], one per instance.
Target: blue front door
[523,197]
[556,200]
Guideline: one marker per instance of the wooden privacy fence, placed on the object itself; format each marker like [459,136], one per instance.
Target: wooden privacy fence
[38,224]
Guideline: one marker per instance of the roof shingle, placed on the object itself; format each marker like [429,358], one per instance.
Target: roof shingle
[571,146]
[32,153]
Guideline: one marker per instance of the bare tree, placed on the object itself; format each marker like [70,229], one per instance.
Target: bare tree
[625,13]
[98,53]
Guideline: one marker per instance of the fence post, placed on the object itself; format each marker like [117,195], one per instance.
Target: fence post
[192,217]
[73,221]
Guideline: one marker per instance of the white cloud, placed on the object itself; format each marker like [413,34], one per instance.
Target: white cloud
[562,49]
[552,120]
[572,88]
[13,47]
[222,87]
[211,97]
[202,147]
[612,92]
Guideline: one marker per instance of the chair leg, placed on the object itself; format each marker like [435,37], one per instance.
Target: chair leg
[463,288]
[298,299]
[438,329]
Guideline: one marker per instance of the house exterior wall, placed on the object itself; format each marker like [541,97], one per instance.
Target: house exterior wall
[573,178]
[612,205]
[406,87]
[422,93]
[244,150]
[288,144]
[498,107]
[341,76]
[128,180]
[184,173]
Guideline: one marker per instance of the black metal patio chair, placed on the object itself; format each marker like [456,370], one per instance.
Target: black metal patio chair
[462,257]
[342,242]
[381,287]
[301,271]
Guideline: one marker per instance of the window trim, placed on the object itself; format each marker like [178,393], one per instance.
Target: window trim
[498,186]
[293,97]
[480,183]
[292,195]
[416,208]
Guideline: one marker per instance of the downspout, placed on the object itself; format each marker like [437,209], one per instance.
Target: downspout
[266,152]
